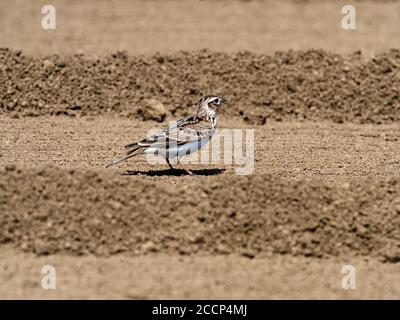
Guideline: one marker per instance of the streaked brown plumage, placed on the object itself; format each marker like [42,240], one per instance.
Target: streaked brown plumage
[185,133]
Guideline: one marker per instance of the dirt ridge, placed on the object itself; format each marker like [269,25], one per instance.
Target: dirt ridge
[50,210]
[290,85]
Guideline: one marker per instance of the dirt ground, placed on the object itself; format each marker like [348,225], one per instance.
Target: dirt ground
[293,150]
[160,276]
[325,191]
[144,27]
[321,194]
[305,85]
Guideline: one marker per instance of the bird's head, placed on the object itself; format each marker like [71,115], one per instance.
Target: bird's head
[210,102]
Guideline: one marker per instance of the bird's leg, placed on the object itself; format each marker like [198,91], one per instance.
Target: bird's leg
[189,172]
[171,167]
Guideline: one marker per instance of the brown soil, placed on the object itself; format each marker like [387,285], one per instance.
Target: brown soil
[292,150]
[160,276]
[47,211]
[307,197]
[312,85]
[144,27]
[324,193]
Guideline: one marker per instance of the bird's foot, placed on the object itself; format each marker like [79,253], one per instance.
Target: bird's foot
[189,172]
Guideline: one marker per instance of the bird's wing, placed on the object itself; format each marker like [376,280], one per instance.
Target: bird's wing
[187,129]
[184,130]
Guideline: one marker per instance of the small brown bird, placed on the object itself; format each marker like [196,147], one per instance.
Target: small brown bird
[185,136]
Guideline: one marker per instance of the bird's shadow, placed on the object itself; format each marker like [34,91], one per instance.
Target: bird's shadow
[174,172]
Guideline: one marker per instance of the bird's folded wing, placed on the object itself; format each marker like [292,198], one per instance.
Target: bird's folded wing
[175,136]
[187,129]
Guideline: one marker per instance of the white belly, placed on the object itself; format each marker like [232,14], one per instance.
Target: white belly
[179,151]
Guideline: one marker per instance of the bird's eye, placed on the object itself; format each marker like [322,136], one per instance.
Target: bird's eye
[217,101]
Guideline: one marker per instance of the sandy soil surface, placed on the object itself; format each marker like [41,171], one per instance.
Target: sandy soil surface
[293,150]
[304,85]
[193,277]
[324,192]
[323,195]
[102,27]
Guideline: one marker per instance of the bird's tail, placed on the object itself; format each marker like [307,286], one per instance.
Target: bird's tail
[122,159]
[131,145]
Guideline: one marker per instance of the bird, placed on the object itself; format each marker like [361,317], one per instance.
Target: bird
[182,137]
